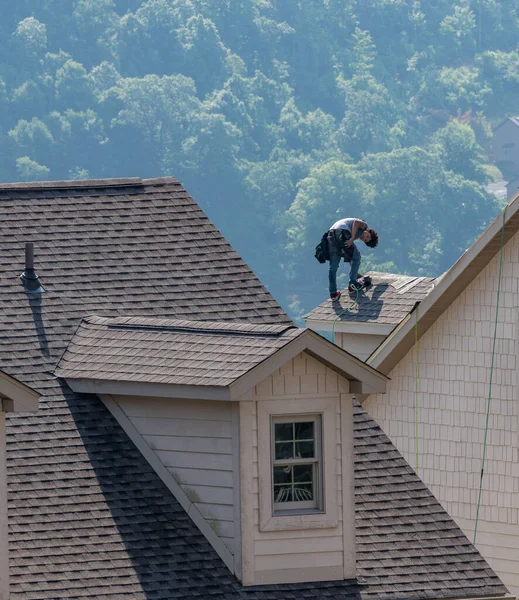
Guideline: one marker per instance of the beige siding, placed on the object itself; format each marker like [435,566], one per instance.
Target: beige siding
[454,367]
[360,346]
[192,439]
[307,554]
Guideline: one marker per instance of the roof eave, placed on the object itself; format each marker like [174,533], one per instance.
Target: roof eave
[451,285]
[148,389]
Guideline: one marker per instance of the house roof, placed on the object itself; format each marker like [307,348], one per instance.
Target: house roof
[514,120]
[172,354]
[386,302]
[109,245]
[88,516]
[447,288]
[169,351]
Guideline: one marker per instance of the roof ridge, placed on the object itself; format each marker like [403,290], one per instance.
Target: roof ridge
[86,183]
[180,329]
[185,326]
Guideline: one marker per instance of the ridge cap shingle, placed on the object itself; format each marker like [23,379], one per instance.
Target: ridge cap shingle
[72,184]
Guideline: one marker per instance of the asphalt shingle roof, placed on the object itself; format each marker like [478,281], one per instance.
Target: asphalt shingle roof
[88,516]
[170,350]
[387,301]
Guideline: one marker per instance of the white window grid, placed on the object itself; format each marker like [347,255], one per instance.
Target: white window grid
[303,504]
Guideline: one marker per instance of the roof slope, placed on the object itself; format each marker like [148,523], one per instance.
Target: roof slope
[131,245]
[89,518]
[387,301]
[170,350]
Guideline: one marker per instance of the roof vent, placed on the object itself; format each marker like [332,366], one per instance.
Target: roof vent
[30,280]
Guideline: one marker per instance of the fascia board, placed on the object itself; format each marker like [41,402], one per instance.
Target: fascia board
[152,390]
[360,375]
[350,327]
[22,398]
[336,358]
[452,284]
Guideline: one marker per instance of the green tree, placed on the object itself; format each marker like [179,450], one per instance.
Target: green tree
[369,115]
[458,30]
[30,170]
[94,21]
[206,58]
[499,74]
[31,36]
[461,152]
[161,110]
[73,86]
[33,138]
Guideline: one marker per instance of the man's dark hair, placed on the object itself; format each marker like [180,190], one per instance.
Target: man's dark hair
[373,242]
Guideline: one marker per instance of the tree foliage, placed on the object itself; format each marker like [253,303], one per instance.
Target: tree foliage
[280,117]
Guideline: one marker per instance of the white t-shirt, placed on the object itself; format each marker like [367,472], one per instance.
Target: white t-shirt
[344,224]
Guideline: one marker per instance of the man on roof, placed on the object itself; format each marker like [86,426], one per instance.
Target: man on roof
[341,244]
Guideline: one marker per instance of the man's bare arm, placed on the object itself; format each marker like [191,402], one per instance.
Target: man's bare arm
[358,224]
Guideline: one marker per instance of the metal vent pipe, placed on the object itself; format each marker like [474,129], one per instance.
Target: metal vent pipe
[30,280]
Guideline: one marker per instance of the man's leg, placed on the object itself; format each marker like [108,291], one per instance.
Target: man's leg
[335,259]
[355,264]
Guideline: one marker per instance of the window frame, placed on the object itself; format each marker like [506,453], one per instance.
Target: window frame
[287,520]
[296,507]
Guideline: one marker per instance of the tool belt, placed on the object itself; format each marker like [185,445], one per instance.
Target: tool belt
[337,238]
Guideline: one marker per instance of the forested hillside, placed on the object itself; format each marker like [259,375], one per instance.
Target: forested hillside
[279,116]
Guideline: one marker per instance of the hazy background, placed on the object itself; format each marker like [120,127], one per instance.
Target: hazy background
[279,116]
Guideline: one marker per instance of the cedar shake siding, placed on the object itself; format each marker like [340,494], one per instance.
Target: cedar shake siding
[454,364]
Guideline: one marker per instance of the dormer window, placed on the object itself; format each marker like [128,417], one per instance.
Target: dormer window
[296,460]
[297,464]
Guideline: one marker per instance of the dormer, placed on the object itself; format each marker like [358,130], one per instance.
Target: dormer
[360,324]
[250,427]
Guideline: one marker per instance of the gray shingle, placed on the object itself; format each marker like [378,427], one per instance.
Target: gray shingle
[387,301]
[169,350]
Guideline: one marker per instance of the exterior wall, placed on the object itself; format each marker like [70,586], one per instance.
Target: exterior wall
[4,550]
[507,134]
[454,367]
[193,440]
[298,549]
[360,345]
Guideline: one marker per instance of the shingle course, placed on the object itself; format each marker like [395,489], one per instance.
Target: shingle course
[387,301]
[169,351]
[89,518]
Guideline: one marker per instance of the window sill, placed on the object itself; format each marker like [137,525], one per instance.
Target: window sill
[293,522]
[290,513]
